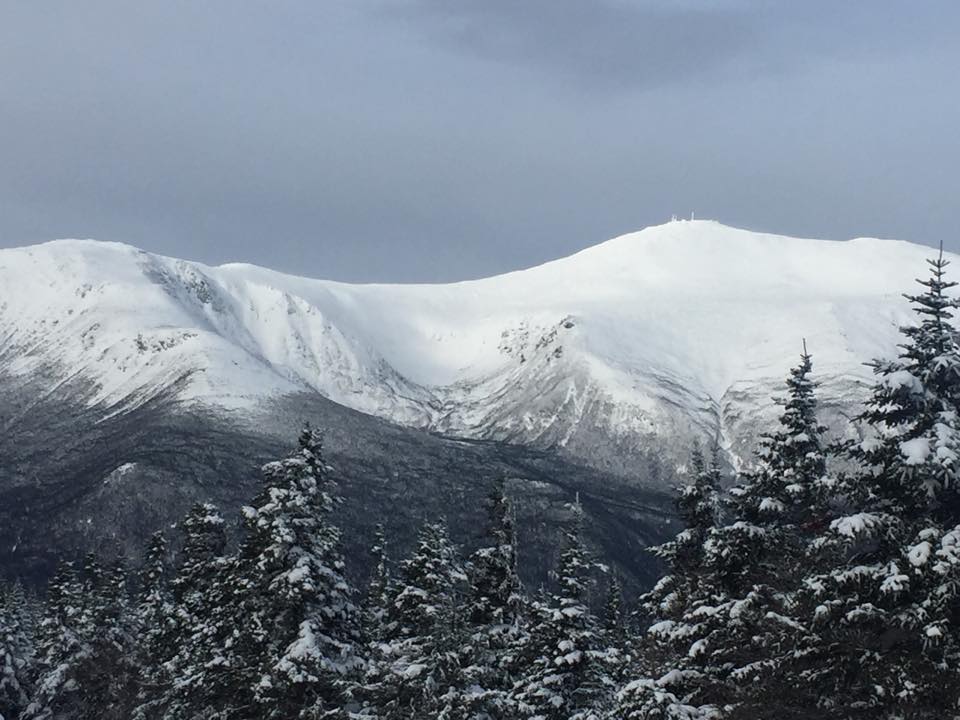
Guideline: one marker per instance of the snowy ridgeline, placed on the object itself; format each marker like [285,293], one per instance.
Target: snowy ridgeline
[676,332]
[799,591]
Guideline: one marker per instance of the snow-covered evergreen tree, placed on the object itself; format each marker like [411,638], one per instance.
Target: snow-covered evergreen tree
[416,670]
[85,647]
[16,651]
[379,589]
[613,610]
[156,625]
[762,555]
[613,606]
[300,622]
[61,649]
[786,487]
[108,679]
[914,455]
[570,673]
[698,505]
[203,626]
[495,610]
[496,594]
[885,601]
[681,612]
[724,615]
[618,632]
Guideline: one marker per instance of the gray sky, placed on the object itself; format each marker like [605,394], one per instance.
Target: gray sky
[447,139]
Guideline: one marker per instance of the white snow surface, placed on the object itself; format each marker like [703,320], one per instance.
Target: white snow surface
[650,333]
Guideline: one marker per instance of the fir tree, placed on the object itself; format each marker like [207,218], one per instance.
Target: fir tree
[59,648]
[698,506]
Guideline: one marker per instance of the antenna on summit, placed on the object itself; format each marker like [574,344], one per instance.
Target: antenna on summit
[693,215]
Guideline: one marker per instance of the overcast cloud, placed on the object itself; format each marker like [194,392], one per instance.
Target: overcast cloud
[446,139]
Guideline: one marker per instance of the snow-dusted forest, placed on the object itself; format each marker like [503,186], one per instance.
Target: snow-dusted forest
[822,581]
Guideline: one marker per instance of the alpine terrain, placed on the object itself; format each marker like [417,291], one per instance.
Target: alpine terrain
[141,394]
[594,373]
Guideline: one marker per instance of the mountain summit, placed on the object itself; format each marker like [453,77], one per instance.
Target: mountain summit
[632,348]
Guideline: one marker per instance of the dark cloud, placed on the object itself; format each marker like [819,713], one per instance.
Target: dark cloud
[639,44]
[598,44]
[430,140]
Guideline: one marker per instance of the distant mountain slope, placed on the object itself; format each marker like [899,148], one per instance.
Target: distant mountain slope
[73,479]
[623,353]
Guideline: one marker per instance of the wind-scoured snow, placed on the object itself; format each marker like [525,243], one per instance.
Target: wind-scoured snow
[680,329]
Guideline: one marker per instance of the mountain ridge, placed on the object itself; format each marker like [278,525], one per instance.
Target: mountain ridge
[641,344]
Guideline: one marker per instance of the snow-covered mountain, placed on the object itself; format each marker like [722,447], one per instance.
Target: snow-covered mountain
[649,340]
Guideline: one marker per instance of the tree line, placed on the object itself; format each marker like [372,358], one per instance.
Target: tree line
[822,581]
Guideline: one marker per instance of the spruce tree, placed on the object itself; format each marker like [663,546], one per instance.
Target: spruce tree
[379,589]
[913,457]
[784,490]
[681,613]
[301,624]
[698,506]
[762,555]
[203,626]
[108,677]
[64,645]
[495,609]
[726,627]
[416,670]
[16,651]
[885,601]
[570,676]
[496,594]
[613,609]
[156,625]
